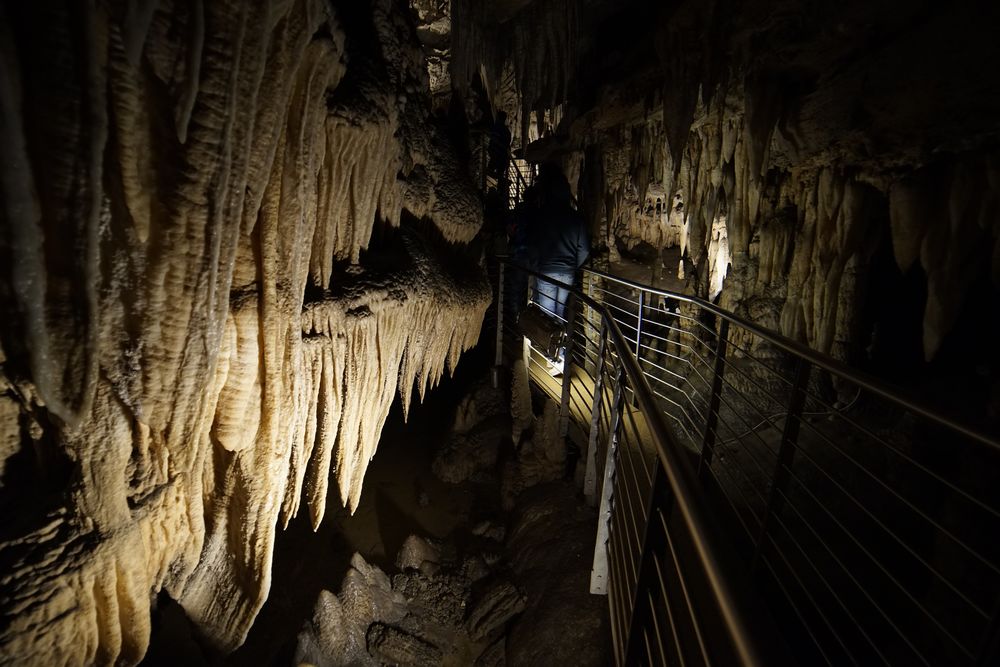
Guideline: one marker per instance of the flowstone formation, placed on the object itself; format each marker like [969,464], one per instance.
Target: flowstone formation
[194,335]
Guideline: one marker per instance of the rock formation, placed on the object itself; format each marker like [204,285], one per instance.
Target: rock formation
[810,133]
[445,609]
[231,232]
[194,337]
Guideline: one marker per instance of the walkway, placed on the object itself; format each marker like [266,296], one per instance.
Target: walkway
[738,471]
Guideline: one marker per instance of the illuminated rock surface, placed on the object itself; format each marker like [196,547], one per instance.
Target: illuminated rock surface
[232,232]
[177,178]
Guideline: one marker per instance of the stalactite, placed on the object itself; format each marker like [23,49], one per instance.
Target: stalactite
[160,235]
[474,46]
[941,216]
[539,44]
[543,51]
[54,289]
[731,198]
[416,325]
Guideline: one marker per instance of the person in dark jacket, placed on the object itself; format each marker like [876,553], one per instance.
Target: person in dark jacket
[557,240]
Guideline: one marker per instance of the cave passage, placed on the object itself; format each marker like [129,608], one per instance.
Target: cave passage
[272,390]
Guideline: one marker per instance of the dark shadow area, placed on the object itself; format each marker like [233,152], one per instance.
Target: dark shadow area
[961,379]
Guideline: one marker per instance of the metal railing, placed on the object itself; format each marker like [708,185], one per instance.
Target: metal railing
[869,523]
[675,594]
[520,175]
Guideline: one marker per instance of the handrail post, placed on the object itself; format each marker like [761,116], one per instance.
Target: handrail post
[599,571]
[498,358]
[712,418]
[638,326]
[786,453]
[567,376]
[590,477]
[589,316]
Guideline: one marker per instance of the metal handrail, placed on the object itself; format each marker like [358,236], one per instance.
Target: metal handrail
[682,483]
[869,383]
[831,478]
[730,597]
[821,520]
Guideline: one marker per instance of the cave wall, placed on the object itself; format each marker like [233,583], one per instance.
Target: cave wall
[817,140]
[192,347]
[814,132]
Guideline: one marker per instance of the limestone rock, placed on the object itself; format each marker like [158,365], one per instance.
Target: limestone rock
[418,554]
[540,459]
[490,530]
[472,448]
[495,655]
[178,177]
[336,635]
[393,646]
[496,605]
[551,546]
[328,640]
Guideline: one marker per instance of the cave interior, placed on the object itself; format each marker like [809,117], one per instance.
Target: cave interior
[248,295]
